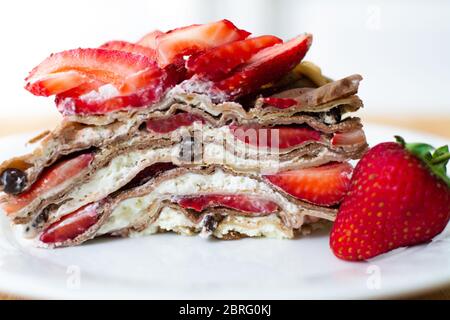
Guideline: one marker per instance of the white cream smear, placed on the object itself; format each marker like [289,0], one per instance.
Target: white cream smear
[134,209]
[105,92]
[172,220]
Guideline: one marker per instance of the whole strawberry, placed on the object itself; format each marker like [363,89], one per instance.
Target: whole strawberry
[399,196]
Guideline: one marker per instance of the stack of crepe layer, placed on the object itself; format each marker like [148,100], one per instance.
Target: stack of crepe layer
[136,175]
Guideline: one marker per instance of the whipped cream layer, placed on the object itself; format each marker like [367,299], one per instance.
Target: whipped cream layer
[134,210]
[173,220]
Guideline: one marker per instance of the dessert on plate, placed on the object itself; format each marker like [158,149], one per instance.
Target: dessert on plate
[204,129]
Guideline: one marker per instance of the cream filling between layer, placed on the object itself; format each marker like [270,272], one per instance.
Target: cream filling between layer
[134,209]
[172,220]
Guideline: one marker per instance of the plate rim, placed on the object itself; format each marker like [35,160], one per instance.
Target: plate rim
[16,284]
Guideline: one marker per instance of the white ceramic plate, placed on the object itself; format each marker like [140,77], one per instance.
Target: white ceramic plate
[171,266]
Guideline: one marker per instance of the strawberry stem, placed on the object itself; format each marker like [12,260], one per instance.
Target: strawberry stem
[435,159]
[400,140]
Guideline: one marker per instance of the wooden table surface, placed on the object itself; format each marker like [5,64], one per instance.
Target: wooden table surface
[436,125]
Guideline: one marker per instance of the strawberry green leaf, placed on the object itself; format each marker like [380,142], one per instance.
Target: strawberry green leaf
[435,158]
[441,156]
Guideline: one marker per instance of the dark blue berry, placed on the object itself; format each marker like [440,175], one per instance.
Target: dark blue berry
[13,181]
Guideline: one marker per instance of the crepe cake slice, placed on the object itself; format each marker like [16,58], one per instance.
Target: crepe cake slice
[129,108]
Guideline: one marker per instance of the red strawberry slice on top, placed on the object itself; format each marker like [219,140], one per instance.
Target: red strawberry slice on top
[69,69]
[130,47]
[149,40]
[264,67]
[121,74]
[177,43]
[216,63]
[82,89]
[100,103]
[78,78]
[69,106]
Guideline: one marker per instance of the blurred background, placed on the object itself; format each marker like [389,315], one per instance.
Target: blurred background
[401,47]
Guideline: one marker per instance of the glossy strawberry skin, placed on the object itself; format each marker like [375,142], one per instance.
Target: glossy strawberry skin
[175,44]
[394,201]
[264,67]
[130,47]
[77,76]
[69,106]
[81,65]
[157,82]
[217,62]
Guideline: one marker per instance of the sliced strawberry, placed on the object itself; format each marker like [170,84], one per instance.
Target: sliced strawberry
[280,103]
[130,47]
[102,105]
[82,89]
[241,202]
[217,62]
[102,100]
[264,67]
[189,40]
[325,185]
[69,69]
[56,83]
[348,138]
[149,40]
[149,173]
[282,137]
[173,122]
[49,179]
[71,225]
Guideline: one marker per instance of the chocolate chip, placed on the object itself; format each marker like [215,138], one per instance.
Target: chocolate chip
[42,217]
[142,126]
[210,223]
[332,117]
[13,181]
